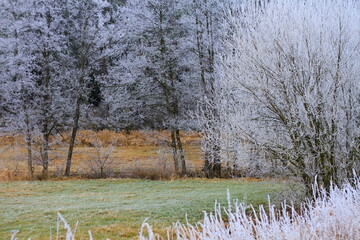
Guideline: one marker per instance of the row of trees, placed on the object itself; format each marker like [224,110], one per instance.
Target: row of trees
[68,64]
[272,85]
[51,53]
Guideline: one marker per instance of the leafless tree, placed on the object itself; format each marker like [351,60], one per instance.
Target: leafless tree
[293,67]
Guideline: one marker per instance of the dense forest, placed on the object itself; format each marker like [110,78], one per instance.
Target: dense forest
[272,87]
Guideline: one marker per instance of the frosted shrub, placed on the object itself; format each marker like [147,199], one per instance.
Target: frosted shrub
[330,216]
[289,74]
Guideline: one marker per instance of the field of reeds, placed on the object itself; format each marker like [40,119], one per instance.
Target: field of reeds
[139,154]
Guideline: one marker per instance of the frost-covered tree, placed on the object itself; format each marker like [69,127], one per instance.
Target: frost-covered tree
[12,103]
[53,54]
[155,68]
[89,35]
[204,22]
[32,41]
[293,67]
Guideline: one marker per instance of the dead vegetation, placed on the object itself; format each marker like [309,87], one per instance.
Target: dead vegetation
[102,154]
[123,138]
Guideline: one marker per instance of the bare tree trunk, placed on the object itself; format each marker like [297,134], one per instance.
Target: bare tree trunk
[28,141]
[29,150]
[29,157]
[76,117]
[236,167]
[235,171]
[181,152]
[175,156]
[46,124]
[73,136]
[212,166]
[227,159]
[45,156]
[206,56]
[308,185]
[212,169]
[350,148]
[206,166]
[216,164]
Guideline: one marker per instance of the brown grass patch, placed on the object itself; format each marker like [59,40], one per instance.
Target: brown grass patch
[135,138]
[122,138]
[141,154]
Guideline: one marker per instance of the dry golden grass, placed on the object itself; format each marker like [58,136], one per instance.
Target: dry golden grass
[133,138]
[140,153]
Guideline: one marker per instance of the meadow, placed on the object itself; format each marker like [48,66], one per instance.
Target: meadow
[116,208]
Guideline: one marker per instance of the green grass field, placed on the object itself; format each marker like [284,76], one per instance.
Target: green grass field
[115,209]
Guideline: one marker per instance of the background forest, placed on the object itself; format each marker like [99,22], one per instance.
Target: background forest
[270,89]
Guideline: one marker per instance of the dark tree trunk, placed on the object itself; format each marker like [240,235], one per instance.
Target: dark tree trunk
[28,140]
[174,148]
[212,169]
[308,185]
[212,166]
[45,156]
[206,57]
[216,164]
[73,136]
[181,153]
[46,133]
[29,156]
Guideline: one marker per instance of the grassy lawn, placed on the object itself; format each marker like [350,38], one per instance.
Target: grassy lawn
[115,209]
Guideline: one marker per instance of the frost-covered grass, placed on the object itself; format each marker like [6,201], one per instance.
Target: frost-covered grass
[330,216]
[333,216]
[115,209]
